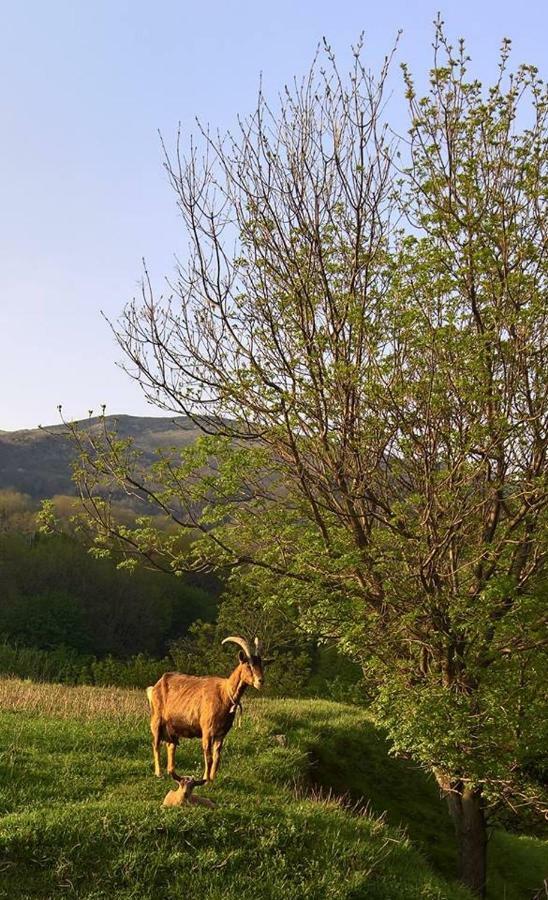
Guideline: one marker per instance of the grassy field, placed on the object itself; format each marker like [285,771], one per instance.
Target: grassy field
[81,815]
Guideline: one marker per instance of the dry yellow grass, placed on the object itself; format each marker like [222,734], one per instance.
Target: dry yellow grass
[67,702]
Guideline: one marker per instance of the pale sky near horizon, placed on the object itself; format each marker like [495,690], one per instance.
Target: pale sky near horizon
[84,88]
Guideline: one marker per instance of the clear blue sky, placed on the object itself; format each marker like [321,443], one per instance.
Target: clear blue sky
[84,87]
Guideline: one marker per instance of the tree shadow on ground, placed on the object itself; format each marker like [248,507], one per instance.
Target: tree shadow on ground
[355,761]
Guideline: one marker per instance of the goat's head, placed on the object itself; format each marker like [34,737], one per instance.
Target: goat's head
[186,784]
[183,793]
[251,661]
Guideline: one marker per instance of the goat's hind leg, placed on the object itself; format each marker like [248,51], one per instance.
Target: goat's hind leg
[155,727]
[171,747]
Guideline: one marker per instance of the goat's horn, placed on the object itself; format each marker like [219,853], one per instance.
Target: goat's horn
[258,647]
[241,642]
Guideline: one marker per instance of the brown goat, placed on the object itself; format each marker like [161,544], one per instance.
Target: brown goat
[183,794]
[201,707]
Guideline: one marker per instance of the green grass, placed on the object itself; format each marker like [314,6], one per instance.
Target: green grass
[81,815]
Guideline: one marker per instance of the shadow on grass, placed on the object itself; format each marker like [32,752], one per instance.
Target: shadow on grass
[353,760]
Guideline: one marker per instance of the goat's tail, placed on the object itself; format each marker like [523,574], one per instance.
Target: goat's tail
[149,695]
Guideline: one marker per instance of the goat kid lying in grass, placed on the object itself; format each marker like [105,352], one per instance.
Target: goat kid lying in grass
[203,707]
[183,794]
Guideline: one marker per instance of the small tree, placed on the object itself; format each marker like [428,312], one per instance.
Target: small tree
[361,328]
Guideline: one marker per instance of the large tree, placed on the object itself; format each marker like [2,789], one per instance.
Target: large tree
[358,326]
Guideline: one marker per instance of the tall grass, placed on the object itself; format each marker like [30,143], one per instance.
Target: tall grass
[81,703]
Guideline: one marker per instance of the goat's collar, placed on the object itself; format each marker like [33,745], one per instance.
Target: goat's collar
[235,695]
[236,707]
[235,703]
[235,692]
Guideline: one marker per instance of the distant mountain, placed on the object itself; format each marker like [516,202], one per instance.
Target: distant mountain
[38,461]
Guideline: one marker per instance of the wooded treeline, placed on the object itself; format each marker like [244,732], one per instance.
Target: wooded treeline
[68,616]
[54,593]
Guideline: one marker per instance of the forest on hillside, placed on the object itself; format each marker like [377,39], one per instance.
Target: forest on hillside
[66,615]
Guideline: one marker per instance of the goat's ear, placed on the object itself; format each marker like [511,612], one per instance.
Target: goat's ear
[177,778]
[241,656]
[268,660]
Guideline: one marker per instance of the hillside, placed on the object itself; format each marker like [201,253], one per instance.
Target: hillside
[80,811]
[38,461]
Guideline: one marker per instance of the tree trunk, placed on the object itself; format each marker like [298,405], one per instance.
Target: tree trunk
[466,809]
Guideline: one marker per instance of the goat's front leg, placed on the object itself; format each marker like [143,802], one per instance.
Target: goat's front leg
[171,747]
[217,747]
[208,757]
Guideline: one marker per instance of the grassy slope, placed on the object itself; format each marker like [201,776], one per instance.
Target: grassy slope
[80,812]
